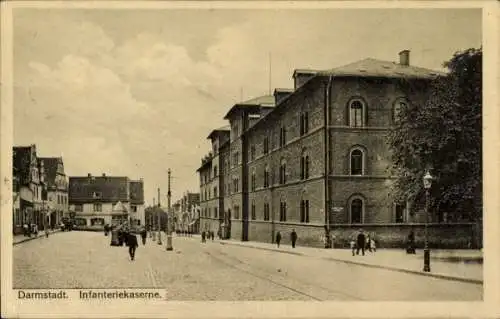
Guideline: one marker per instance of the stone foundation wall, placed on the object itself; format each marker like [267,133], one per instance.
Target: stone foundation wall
[442,236]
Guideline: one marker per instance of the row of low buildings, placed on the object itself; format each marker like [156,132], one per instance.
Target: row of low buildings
[45,196]
[315,159]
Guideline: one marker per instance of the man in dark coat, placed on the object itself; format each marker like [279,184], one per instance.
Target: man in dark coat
[132,244]
[278,239]
[361,241]
[293,237]
[144,234]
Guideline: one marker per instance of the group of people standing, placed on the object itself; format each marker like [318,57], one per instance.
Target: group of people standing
[362,242]
[293,238]
[210,234]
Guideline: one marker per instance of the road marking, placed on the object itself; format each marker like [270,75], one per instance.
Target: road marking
[151,275]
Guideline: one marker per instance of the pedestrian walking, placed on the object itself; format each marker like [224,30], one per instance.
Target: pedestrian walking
[144,234]
[46,232]
[293,237]
[368,243]
[203,236]
[353,246]
[410,249]
[26,230]
[373,245]
[132,244]
[212,233]
[278,239]
[361,242]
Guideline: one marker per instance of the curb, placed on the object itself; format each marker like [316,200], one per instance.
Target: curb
[408,271]
[32,238]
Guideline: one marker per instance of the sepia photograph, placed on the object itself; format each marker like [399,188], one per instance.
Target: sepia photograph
[247,154]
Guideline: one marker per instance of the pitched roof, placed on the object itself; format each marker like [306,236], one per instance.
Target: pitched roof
[225,128]
[304,71]
[112,189]
[50,165]
[21,163]
[137,192]
[253,104]
[377,68]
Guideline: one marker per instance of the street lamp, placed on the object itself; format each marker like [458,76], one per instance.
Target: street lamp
[427,179]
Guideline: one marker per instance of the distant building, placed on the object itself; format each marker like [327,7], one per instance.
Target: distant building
[315,159]
[57,189]
[28,178]
[100,200]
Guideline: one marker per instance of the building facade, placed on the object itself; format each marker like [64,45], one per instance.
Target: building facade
[57,189]
[315,159]
[28,186]
[100,200]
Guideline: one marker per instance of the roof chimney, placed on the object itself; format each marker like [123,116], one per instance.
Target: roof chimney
[103,174]
[404,57]
[89,175]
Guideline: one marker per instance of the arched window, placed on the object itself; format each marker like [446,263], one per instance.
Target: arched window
[266,177]
[356,210]
[304,211]
[356,162]
[304,165]
[398,106]
[283,210]
[282,172]
[356,113]
[253,213]
[253,181]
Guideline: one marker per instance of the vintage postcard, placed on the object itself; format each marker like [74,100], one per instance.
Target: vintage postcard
[250,159]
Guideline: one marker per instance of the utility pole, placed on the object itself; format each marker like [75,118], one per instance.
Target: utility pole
[159,218]
[169,220]
[152,220]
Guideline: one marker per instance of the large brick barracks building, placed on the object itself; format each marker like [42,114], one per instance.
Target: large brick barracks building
[315,159]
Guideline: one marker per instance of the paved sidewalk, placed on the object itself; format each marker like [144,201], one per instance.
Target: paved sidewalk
[21,238]
[459,265]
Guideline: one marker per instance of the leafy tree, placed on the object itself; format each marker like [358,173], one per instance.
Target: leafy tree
[442,133]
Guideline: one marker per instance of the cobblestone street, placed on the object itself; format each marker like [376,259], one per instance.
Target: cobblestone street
[211,271]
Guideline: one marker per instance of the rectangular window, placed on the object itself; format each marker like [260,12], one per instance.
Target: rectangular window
[304,211]
[236,212]
[282,136]
[216,212]
[215,191]
[252,152]
[283,212]
[97,207]
[304,123]
[78,208]
[133,208]
[266,211]
[266,145]
[235,185]
[253,212]
[235,159]
[266,178]
[400,213]
[252,183]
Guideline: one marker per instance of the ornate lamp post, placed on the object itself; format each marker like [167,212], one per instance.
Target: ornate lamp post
[427,179]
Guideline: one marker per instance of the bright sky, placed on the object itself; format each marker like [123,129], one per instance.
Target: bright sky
[134,92]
